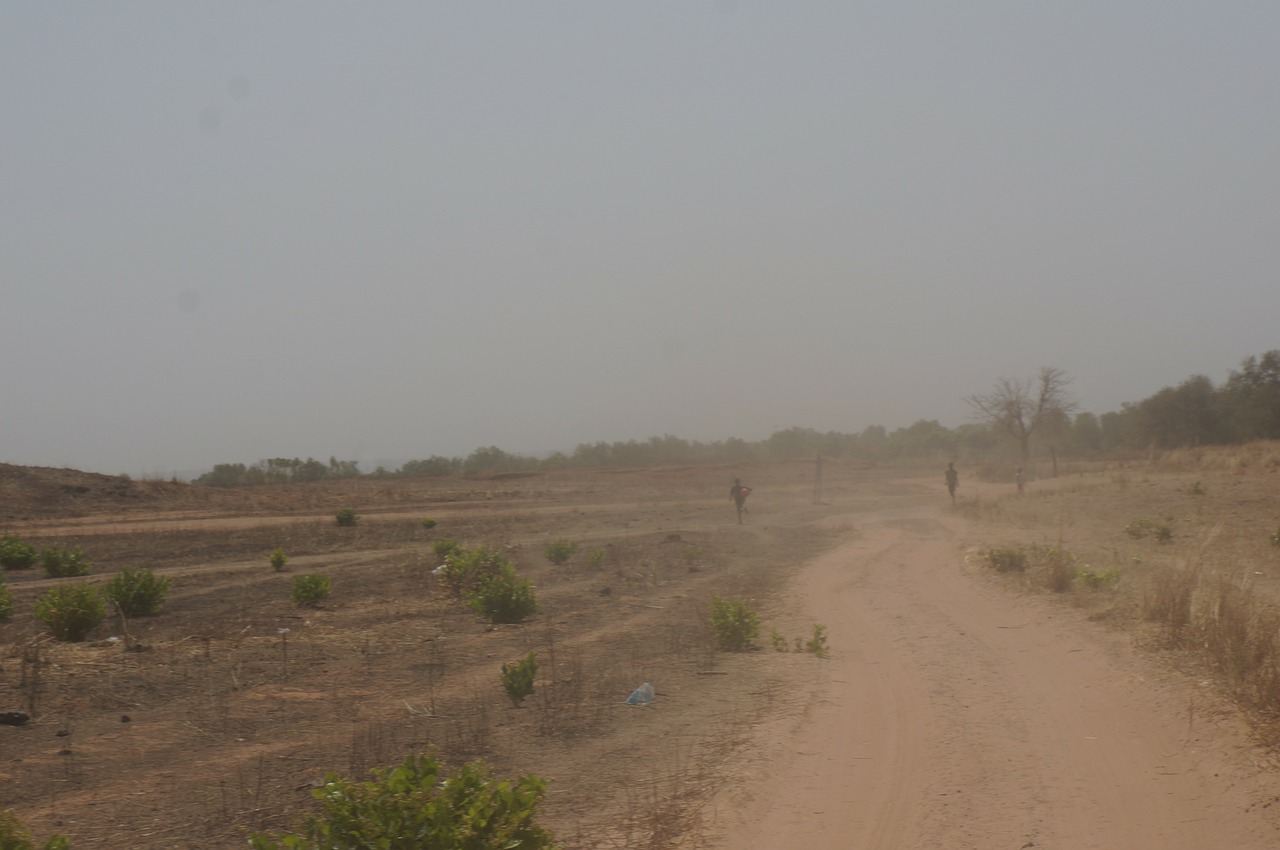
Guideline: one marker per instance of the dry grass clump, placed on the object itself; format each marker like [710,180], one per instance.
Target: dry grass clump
[1209,589]
[1237,460]
[1223,619]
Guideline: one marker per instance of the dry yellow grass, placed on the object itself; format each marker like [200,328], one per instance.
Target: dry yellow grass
[1207,590]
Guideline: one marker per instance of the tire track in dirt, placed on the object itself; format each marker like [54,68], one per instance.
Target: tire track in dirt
[958,715]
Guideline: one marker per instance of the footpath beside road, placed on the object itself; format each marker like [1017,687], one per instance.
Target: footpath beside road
[958,714]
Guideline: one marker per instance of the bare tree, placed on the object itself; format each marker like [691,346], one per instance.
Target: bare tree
[1023,408]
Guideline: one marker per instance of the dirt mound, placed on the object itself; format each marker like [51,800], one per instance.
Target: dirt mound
[38,492]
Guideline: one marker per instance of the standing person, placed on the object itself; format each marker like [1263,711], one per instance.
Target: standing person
[953,481]
[739,494]
[1021,479]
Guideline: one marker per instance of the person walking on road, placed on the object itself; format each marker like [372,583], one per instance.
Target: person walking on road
[953,481]
[739,494]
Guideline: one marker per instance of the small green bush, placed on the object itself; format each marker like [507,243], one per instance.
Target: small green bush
[310,590]
[504,597]
[1098,579]
[348,516]
[64,561]
[466,569]
[6,610]
[137,593]
[71,611]
[735,624]
[445,547]
[16,554]
[14,836]
[1138,528]
[428,523]
[417,805]
[517,678]
[559,551]
[596,557]
[278,559]
[1007,560]
[779,641]
[818,643]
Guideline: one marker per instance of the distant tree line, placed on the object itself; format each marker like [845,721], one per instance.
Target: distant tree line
[1194,413]
[278,470]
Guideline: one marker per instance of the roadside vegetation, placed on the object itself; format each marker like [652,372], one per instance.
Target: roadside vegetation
[1200,582]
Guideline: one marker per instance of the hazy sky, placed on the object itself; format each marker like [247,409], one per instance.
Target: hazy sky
[382,231]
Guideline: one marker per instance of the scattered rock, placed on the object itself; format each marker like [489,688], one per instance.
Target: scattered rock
[14,718]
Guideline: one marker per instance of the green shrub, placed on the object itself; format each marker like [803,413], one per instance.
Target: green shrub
[444,547]
[6,611]
[466,569]
[596,557]
[16,554]
[71,611]
[63,561]
[428,523]
[416,805]
[310,590]
[14,836]
[137,593]
[778,640]
[1098,580]
[504,597]
[559,551]
[517,678]
[818,643]
[1007,560]
[1138,528]
[734,623]
[278,559]
[348,516]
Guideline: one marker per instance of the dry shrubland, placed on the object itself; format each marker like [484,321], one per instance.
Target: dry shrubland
[1182,548]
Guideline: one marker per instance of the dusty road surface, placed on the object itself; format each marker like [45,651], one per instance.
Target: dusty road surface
[958,714]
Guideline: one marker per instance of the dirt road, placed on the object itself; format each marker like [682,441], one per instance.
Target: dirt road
[959,714]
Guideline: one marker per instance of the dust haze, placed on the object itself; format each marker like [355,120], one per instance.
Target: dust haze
[252,230]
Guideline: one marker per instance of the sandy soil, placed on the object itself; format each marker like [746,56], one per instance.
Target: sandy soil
[955,714]
[958,708]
